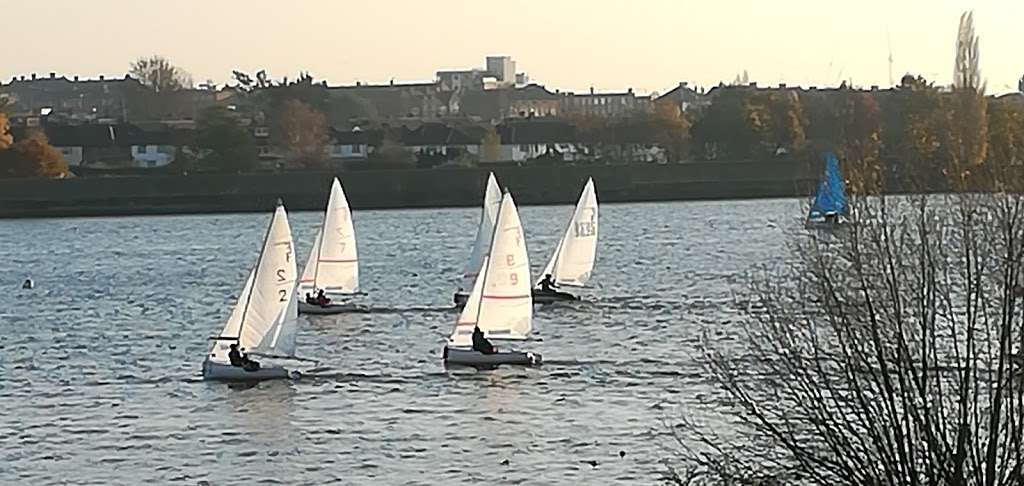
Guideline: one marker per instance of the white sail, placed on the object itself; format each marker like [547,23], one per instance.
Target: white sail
[501,304]
[462,336]
[266,314]
[492,200]
[333,263]
[573,259]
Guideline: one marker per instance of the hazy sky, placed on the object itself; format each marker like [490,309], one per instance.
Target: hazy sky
[649,45]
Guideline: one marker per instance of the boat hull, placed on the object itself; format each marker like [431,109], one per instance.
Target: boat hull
[542,297]
[825,225]
[225,372]
[329,309]
[476,359]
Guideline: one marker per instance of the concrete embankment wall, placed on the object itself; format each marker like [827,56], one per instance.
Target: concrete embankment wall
[372,189]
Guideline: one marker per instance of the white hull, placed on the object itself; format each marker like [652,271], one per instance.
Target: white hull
[468,357]
[821,224]
[332,308]
[542,297]
[226,372]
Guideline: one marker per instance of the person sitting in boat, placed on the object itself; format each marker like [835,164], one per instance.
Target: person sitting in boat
[241,360]
[321,299]
[480,343]
[831,217]
[310,300]
[548,284]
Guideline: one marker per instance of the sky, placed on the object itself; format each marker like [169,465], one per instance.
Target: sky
[647,45]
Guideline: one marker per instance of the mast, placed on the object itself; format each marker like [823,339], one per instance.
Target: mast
[255,273]
[490,249]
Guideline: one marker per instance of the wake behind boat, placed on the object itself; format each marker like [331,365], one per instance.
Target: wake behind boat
[573,259]
[829,207]
[500,305]
[488,216]
[332,270]
[263,322]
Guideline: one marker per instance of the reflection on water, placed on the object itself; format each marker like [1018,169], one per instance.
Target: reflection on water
[99,365]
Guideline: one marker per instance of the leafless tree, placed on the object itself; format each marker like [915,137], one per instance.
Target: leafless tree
[887,354]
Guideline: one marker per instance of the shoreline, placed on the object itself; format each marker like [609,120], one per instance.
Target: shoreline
[396,189]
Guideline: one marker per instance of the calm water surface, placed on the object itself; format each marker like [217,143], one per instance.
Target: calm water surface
[100,364]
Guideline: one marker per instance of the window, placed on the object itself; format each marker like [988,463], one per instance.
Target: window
[261,132]
[357,149]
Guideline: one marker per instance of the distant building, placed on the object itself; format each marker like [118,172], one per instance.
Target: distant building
[110,146]
[685,98]
[525,140]
[503,68]
[94,100]
[605,104]
[499,72]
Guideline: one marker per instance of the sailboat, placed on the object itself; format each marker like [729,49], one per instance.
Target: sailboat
[829,207]
[333,264]
[500,304]
[488,215]
[573,259]
[263,322]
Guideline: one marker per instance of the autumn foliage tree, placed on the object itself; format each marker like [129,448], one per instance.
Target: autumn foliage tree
[302,130]
[31,156]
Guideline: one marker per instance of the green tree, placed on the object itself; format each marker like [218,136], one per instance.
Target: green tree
[916,131]
[968,127]
[671,130]
[1005,133]
[724,129]
[861,141]
[777,118]
[302,130]
[224,145]
[159,74]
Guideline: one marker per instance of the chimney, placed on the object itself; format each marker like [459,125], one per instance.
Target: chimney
[782,85]
[874,87]
[591,88]
[101,77]
[753,84]
[684,85]
[629,91]
[53,75]
[33,76]
[76,78]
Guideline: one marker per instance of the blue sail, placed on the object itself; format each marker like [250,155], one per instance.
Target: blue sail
[831,195]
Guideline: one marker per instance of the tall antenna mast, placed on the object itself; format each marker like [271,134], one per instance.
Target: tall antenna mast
[888,39]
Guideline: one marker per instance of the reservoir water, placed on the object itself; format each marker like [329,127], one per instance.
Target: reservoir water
[100,363]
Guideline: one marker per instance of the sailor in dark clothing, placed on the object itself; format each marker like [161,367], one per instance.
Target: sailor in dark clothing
[548,284]
[310,300]
[481,344]
[321,299]
[832,218]
[241,359]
